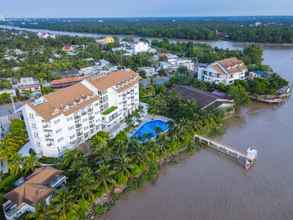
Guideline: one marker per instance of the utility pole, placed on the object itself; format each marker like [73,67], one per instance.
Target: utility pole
[13,104]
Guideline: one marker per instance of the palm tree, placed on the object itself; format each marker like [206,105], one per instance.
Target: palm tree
[105,177]
[123,165]
[100,147]
[30,163]
[15,165]
[86,184]
[61,206]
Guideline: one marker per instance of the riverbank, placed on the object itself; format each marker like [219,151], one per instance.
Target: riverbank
[106,202]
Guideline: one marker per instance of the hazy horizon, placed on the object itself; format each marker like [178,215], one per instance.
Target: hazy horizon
[145,8]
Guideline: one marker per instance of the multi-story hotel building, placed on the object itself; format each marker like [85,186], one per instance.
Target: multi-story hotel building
[68,117]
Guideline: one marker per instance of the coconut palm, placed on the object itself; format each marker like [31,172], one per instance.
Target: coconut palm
[123,165]
[30,163]
[15,165]
[86,184]
[105,177]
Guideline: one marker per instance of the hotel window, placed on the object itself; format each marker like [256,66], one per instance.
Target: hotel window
[71,128]
[70,119]
[57,121]
[31,115]
[59,130]
[34,126]
[60,139]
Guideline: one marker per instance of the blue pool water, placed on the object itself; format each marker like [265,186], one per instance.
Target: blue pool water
[149,129]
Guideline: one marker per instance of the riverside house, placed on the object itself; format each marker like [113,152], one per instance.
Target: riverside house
[40,186]
[204,100]
[225,71]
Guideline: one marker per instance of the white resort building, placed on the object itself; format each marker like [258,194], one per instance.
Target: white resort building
[224,71]
[68,117]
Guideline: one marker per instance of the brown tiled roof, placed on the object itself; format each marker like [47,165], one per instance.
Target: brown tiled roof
[217,68]
[231,65]
[35,188]
[73,98]
[230,62]
[67,80]
[64,101]
[114,79]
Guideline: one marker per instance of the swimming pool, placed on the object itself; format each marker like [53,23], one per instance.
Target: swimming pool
[151,129]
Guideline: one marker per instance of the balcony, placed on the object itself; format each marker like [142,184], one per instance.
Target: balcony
[58,181]
[76,117]
[78,125]
[48,136]
[14,211]
[79,134]
[49,139]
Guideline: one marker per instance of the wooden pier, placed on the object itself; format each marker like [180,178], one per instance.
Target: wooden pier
[246,160]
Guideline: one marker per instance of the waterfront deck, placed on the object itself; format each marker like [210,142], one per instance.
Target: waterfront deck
[246,160]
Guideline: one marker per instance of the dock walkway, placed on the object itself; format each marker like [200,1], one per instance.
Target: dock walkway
[246,160]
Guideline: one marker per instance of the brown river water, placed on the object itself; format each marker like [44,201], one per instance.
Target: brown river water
[209,186]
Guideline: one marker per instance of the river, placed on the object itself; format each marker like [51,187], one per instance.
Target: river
[209,186]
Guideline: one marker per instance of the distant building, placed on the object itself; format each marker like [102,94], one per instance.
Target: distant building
[68,48]
[106,40]
[171,63]
[148,71]
[65,82]
[40,186]
[100,66]
[28,85]
[45,35]
[141,47]
[225,71]
[187,63]
[204,100]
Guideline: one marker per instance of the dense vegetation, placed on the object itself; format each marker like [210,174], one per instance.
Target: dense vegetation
[9,147]
[111,165]
[249,29]
[24,54]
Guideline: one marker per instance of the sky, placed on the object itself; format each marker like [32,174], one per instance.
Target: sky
[143,8]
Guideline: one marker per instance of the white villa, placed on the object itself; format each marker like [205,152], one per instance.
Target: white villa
[224,71]
[68,117]
[141,47]
[172,62]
